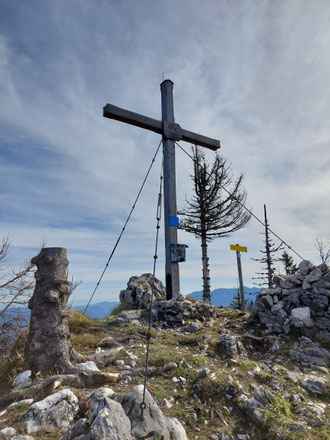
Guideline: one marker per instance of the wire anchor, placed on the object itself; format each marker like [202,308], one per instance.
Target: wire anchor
[148,335]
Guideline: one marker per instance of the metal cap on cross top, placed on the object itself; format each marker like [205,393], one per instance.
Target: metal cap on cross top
[171,132]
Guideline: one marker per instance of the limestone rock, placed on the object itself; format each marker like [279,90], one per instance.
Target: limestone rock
[311,353]
[301,312]
[23,380]
[130,315]
[202,373]
[20,403]
[111,423]
[230,346]
[305,267]
[313,276]
[192,327]
[55,411]
[88,366]
[7,433]
[154,420]
[22,437]
[253,408]
[297,427]
[138,291]
[108,342]
[314,384]
[76,429]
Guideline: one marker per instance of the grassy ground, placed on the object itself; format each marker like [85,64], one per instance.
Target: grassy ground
[213,411]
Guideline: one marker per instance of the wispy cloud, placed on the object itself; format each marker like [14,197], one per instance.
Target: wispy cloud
[253,73]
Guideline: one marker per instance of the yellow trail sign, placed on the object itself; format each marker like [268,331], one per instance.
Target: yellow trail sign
[236,247]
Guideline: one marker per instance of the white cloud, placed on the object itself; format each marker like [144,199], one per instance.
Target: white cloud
[254,74]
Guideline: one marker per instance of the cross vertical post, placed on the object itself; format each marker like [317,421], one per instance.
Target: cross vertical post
[170,208]
[171,132]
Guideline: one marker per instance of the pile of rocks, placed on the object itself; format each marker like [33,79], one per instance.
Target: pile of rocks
[297,301]
[174,312]
[165,313]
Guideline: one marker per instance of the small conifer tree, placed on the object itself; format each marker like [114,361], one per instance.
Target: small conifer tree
[289,266]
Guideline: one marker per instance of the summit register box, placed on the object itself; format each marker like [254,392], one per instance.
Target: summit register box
[178,252]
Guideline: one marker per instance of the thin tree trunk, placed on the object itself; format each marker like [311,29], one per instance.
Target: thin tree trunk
[268,256]
[206,272]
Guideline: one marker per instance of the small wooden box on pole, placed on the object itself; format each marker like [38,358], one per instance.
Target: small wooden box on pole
[239,249]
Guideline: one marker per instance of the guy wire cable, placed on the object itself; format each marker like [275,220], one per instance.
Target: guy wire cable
[247,209]
[148,336]
[124,227]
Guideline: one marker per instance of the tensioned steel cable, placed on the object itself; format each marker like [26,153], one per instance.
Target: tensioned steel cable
[240,203]
[148,336]
[124,227]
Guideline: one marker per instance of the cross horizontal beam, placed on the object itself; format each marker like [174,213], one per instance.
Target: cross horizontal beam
[119,114]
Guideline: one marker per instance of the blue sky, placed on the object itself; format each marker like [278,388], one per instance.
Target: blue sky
[254,74]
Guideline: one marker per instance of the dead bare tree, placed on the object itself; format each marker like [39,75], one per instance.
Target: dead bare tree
[213,212]
[16,287]
[323,249]
[266,276]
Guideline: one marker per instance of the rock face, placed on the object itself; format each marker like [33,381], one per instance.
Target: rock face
[138,291]
[48,346]
[297,301]
[56,411]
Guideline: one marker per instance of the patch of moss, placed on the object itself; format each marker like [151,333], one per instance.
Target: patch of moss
[263,377]
[246,364]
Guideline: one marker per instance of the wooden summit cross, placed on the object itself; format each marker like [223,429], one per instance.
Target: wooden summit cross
[171,132]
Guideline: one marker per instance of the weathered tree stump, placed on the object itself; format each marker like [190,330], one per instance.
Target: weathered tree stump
[48,346]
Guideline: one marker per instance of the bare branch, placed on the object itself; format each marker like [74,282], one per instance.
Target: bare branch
[323,249]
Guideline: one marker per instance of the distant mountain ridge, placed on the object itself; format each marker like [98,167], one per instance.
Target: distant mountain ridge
[98,310]
[224,296]
[219,297]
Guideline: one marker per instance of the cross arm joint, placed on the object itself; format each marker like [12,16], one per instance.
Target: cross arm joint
[172,131]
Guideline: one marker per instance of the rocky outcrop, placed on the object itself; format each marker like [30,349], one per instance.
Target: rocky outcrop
[120,419]
[139,289]
[56,411]
[230,346]
[309,353]
[297,301]
[109,419]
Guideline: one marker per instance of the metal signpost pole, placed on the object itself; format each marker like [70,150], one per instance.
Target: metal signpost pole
[240,277]
[238,250]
